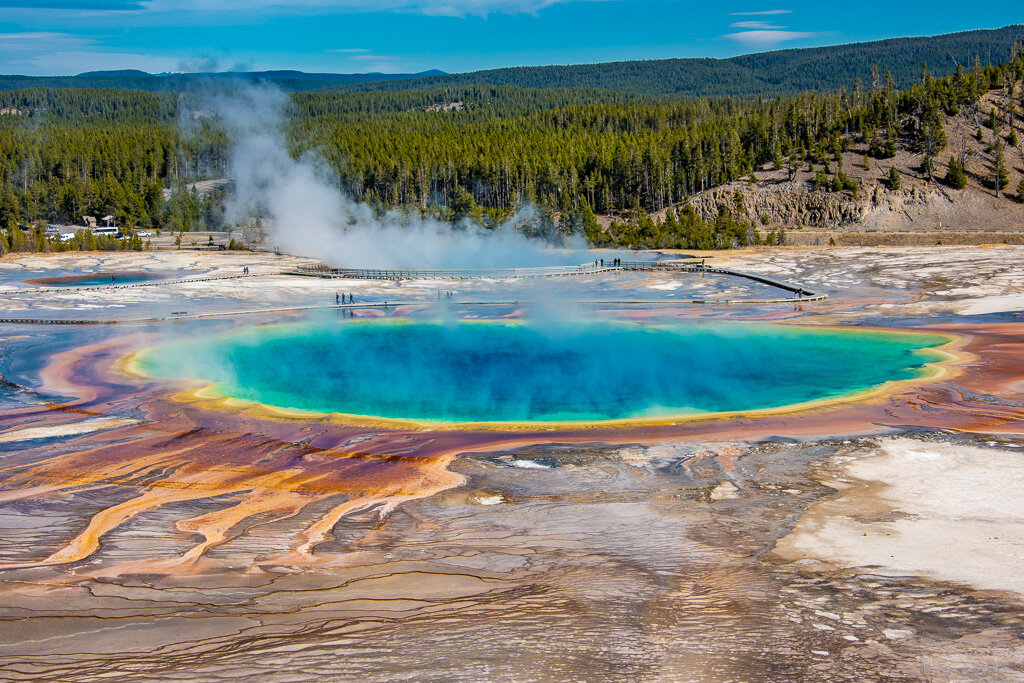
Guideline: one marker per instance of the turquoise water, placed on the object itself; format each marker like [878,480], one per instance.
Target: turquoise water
[95,279]
[493,371]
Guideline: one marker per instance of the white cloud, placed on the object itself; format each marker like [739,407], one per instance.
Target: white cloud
[762,13]
[387,64]
[365,60]
[756,24]
[762,39]
[47,53]
[452,8]
[480,8]
[44,53]
[33,41]
[74,5]
[455,8]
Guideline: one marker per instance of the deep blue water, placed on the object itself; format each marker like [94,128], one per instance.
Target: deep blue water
[494,371]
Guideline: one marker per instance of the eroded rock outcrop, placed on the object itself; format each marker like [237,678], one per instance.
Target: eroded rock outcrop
[794,206]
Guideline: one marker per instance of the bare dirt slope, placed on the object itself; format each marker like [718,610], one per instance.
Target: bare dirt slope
[921,211]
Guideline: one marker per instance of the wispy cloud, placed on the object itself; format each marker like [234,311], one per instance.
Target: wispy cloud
[762,35]
[453,8]
[762,40]
[364,59]
[32,40]
[45,52]
[387,64]
[762,13]
[24,50]
[756,25]
[78,5]
[479,8]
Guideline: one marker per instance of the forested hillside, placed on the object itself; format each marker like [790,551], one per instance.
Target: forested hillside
[480,152]
[767,73]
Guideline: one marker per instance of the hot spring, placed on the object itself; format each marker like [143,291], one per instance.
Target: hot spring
[522,372]
[95,279]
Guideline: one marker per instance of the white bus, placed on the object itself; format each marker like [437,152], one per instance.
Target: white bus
[105,231]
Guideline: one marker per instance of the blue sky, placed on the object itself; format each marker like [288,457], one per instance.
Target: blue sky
[71,36]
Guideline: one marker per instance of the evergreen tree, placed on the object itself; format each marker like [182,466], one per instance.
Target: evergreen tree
[1000,176]
[589,225]
[927,167]
[955,175]
[894,179]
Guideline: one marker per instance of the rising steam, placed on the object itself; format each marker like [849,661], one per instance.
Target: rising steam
[307,214]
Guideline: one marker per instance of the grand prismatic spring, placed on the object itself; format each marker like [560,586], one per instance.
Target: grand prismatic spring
[566,372]
[591,478]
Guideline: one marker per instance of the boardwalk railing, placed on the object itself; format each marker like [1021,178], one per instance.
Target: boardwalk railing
[488,273]
[799,290]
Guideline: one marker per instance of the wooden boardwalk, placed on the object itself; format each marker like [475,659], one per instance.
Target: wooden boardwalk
[675,265]
[589,268]
[122,285]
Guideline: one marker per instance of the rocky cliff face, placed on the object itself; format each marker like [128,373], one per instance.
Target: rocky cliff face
[781,206]
[793,206]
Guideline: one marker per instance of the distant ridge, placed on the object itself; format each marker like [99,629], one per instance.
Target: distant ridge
[766,73]
[762,74]
[133,79]
[119,73]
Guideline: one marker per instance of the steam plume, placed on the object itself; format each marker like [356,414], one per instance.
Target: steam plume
[308,215]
